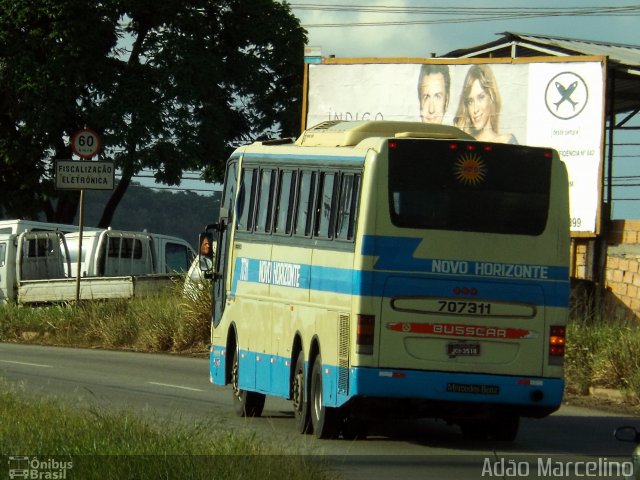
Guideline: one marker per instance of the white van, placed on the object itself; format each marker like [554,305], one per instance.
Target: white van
[108,253]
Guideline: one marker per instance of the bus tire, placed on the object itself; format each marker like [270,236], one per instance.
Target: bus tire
[325,420]
[298,395]
[245,403]
[505,428]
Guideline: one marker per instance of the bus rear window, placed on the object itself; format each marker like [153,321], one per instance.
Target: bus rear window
[469,186]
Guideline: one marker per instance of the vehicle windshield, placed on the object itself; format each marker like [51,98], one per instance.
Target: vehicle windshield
[469,186]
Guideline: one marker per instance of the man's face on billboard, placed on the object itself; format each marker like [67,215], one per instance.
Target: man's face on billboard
[433,98]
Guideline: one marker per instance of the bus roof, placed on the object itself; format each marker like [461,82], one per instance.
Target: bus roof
[342,133]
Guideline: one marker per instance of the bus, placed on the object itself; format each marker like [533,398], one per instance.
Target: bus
[374,270]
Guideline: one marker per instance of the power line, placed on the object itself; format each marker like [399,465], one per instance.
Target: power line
[460,15]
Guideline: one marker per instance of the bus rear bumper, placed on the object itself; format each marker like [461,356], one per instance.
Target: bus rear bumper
[523,395]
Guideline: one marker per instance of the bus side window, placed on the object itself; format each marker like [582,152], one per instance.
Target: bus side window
[265,201]
[324,208]
[246,199]
[347,206]
[230,185]
[305,203]
[284,204]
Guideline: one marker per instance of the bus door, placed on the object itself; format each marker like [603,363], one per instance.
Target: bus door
[222,279]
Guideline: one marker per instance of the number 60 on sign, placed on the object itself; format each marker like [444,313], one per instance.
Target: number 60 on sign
[85,143]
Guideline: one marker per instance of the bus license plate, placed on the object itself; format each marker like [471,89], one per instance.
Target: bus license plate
[463,349]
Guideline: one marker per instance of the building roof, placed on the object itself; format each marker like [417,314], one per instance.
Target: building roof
[623,60]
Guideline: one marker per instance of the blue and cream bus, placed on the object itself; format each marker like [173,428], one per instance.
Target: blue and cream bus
[371,270]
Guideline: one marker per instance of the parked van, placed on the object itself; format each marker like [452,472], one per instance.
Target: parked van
[108,253]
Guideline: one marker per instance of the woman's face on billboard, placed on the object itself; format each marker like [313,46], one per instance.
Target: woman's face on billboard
[478,105]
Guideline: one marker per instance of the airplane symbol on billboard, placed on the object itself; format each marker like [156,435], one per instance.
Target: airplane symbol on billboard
[566,93]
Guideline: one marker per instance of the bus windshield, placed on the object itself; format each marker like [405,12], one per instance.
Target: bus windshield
[469,186]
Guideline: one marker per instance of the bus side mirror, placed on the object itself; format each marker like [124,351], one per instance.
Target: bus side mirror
[206,253]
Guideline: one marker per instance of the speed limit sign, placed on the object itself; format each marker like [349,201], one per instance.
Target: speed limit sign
[85,143]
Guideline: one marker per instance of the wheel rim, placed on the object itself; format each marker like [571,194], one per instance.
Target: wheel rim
[234,378]
[317,396]
[298,383]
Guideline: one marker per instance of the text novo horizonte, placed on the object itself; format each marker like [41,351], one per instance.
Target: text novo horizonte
[279,273]
[490,269]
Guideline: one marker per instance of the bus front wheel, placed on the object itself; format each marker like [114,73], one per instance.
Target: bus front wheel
[325,420]
[298,395]
[245,403]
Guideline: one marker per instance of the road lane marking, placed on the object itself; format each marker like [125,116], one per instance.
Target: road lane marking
[27,364]
[176,386]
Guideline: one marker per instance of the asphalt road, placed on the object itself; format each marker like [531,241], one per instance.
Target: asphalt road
[175,388]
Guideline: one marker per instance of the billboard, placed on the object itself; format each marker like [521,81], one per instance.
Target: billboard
[553,102]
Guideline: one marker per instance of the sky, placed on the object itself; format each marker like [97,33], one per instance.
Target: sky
[401,30]
[451,28]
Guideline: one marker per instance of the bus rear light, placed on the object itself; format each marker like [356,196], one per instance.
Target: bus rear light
[393,144]
[557,340]
[365,334]
[453,146]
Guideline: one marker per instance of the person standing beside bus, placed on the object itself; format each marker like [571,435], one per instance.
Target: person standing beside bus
[479,109]
[434,84]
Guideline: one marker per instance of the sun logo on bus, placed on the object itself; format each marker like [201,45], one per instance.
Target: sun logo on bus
[470,169]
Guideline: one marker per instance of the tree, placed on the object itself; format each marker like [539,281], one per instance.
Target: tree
[170,86]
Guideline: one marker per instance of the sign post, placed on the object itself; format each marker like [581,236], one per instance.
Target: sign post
[73,175]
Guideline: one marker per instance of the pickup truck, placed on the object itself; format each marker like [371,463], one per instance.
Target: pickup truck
[41,266]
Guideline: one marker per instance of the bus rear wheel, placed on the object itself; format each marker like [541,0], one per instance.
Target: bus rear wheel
[298,395]
[245,404]
[325,420]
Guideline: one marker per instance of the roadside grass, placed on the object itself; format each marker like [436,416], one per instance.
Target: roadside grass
[99,444]
[603,349]
[164,323]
